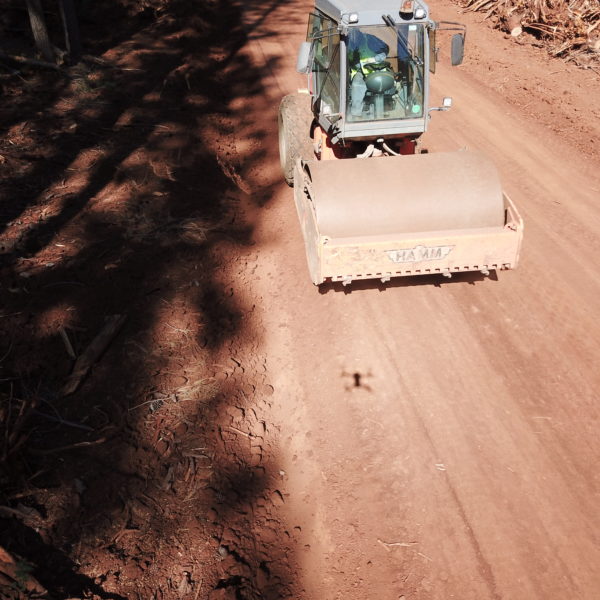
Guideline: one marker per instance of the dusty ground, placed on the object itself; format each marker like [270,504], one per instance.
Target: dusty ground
[245,436]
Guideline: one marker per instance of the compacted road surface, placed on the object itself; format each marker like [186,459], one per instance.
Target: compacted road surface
[439,439]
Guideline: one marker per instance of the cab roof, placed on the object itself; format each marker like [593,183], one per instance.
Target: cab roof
[369,11]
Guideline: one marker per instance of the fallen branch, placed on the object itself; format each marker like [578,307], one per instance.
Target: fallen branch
[388,545]
[92,353]
[6,512]
[514,25]
[101,440]
[67,343]
[13,423]
[31,62]
[58,419]
[236,430]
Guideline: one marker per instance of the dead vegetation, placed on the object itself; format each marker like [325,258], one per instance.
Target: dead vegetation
[569,28]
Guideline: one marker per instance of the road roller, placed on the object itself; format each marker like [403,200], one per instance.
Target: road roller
[371,203]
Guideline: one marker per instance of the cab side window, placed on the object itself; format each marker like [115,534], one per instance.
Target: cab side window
[330,90]
[322,32]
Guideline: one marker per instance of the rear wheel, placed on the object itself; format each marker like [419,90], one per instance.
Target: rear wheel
[295,119]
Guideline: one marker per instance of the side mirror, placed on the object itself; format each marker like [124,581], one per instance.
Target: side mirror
[303,62]
[457,51]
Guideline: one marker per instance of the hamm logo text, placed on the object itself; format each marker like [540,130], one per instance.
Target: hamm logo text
[419,253]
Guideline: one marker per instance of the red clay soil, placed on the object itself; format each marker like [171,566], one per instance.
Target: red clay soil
[245,435]
[119,197]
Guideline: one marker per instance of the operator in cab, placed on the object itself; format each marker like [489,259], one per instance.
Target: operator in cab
[366,52]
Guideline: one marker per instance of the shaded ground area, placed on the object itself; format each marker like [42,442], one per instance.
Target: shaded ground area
[121,195]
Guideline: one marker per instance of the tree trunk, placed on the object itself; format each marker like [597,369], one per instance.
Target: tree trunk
[71,27]
[39,29]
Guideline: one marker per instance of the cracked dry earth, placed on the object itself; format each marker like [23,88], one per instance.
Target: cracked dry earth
[246,435]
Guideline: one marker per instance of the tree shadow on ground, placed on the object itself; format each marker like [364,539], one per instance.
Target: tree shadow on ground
[122,195]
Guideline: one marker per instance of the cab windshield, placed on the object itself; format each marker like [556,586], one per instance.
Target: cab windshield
[385,72]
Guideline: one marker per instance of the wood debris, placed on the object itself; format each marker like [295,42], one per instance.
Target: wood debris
[570,28]
[93,352]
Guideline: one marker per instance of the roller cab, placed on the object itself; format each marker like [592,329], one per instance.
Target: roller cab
[370,205]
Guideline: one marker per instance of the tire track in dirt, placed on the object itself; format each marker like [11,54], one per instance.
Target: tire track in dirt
[454,423]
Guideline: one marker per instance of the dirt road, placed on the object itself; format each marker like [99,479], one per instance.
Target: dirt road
[439,439]
[247,436]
